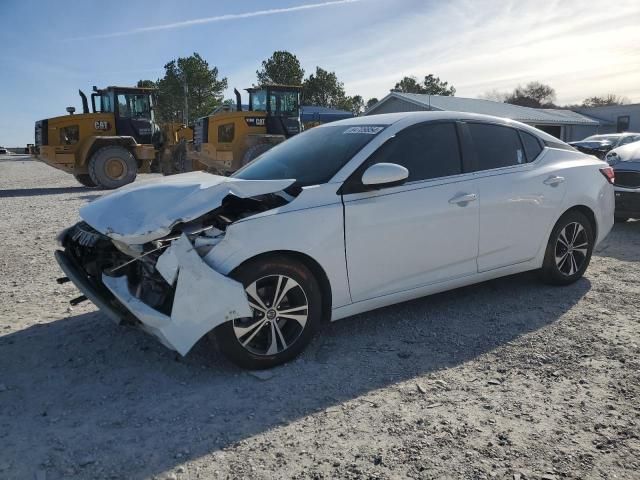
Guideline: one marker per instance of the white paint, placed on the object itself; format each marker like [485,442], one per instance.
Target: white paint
[144,211]
[203,300]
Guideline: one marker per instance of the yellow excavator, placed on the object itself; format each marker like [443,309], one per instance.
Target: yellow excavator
[106,146]
[232,135]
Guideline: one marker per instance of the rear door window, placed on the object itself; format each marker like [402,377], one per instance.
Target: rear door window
[428,150]
[496,146]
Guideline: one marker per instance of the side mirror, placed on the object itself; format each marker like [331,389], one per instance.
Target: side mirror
[384,175]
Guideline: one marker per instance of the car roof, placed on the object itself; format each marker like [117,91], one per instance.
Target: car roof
[416,117]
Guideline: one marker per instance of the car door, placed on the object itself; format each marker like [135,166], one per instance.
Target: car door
[421,232]
[519,196]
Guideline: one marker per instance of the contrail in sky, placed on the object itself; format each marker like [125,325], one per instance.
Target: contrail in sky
[219,18]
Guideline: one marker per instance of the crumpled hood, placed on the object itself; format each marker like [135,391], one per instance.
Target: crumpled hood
[145,211]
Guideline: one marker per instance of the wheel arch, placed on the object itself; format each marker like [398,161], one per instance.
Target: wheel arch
[587,212]
[308,261]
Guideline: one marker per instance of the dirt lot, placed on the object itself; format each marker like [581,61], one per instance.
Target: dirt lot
[507,379]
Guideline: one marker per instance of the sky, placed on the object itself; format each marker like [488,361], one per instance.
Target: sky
[48,50]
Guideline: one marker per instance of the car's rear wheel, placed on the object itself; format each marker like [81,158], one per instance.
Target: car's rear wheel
[569,249]
[287,308]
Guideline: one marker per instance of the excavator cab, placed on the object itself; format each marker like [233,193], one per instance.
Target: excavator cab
[282,106]
[132,109]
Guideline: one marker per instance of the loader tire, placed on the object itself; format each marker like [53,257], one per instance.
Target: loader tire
[254,152]
[84,179]
[112,167]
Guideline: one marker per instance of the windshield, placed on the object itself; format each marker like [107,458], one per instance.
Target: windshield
[311,157]
[134,105]
[284,103]
[259,101]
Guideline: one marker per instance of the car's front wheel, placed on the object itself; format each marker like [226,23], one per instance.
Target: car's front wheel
[287,309]
[569,249]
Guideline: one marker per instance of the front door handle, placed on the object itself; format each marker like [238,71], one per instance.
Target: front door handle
[463,199]
[554,180]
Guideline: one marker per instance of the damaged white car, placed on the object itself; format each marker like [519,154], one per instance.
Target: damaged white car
[344,218]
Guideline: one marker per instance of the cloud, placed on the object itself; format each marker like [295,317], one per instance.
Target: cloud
[219,18]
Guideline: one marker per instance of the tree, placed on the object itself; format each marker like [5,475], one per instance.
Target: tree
[353,104]
[533,94]
[371,102]
[609,99]
[146,84]
[434,86]
[203,89]
[409,85]
[323,89]
[494,96]
[431,85]
[282,68]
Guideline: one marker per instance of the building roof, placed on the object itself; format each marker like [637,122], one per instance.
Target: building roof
[538,116]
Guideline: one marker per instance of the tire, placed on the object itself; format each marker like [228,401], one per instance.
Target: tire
[254,152]
[620,219]
[563,262]
[112,167]
[84,179]
[271,338]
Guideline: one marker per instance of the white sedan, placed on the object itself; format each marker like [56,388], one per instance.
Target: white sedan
[344,218]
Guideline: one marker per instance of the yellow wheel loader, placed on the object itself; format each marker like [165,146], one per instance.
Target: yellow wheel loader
[107,146]
[231,136]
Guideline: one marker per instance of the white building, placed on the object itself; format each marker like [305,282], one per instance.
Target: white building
[566,125]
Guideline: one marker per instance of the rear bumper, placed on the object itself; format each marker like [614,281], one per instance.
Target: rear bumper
[627,202]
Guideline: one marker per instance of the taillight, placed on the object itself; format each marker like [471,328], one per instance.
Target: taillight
[609,174]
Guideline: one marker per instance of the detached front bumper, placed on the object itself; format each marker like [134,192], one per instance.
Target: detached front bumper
[203,297]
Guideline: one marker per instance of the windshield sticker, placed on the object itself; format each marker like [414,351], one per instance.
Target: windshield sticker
[369,130]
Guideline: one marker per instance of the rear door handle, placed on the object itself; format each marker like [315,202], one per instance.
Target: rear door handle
[463,199]
[554,180]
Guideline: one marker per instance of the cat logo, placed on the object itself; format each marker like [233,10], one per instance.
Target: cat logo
[101,125]
[255,121]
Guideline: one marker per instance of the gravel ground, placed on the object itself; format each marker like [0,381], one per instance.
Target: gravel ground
[506,379]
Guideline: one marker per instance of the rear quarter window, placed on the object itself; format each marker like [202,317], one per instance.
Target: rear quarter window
[532,146]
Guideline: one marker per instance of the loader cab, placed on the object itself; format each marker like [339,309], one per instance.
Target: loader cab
[132,109]
[281,103]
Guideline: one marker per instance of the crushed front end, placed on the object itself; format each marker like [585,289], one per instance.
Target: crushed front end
[163,285]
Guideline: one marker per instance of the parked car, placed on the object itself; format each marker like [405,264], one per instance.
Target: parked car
[599,145]
[625,161]
[3,151]
[344,218]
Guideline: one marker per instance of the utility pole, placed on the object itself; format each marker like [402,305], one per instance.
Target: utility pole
[185,88]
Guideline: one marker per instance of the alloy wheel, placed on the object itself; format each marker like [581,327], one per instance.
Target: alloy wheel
[571,250]
[280,312]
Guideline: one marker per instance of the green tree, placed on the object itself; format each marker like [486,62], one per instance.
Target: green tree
[353,104]
[146,84]
[431,85]
[409,85]
[371,102]
[533,94]
[282,68]
[323,89]
[609,99]
[190,75]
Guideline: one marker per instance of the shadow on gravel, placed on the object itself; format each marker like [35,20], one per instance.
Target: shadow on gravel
[623,243]
[30,192]
[89,399]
